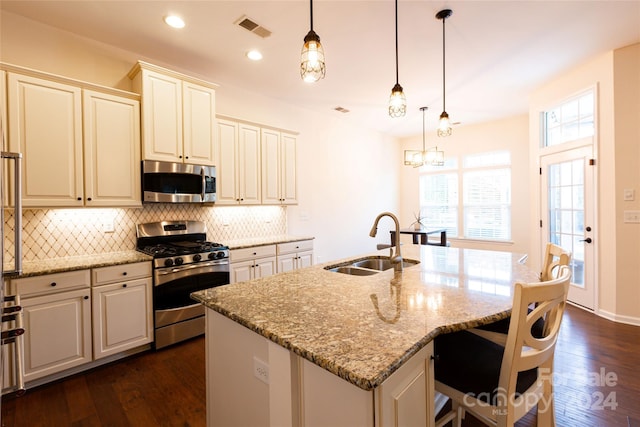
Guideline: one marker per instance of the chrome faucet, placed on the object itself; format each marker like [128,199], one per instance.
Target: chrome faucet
[396,259]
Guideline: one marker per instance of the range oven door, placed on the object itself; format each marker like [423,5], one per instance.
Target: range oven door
[173,285]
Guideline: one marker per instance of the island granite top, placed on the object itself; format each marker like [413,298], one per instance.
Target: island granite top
[364,328]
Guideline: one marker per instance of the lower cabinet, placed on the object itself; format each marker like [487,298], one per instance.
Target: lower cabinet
[57,322]
[122,313]
[294,255]
[59,309]
[252,263]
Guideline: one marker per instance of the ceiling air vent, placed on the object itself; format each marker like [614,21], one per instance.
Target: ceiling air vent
[250,25]
[341,109]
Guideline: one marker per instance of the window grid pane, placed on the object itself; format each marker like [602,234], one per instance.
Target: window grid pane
[569,121]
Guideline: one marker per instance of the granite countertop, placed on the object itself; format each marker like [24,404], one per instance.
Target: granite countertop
[363,328]
[262,241]
[59,265]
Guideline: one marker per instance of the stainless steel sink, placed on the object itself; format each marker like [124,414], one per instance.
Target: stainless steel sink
[368,266]
[381,264]
[354,271]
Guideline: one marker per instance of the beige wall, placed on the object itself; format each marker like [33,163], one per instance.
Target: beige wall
[346,174]
[508,134]
[615,75]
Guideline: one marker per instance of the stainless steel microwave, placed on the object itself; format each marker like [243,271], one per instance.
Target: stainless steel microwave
[167,182]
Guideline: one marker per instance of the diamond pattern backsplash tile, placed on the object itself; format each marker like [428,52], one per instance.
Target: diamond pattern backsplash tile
[58,233]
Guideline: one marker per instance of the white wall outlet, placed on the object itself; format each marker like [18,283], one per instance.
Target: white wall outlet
[632,216]
[261,370]
[629,194]
[108,226]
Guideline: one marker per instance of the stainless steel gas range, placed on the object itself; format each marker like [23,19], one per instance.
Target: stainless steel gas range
[183,262]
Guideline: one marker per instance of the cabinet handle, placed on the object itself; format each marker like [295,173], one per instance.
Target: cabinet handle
[54,284]
[124,285]
[86,297]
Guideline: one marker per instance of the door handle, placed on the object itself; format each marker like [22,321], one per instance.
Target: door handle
[588,240]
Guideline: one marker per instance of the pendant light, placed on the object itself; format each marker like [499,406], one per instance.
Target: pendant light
[397,101]
[444,127]
[432,156]
[312,66]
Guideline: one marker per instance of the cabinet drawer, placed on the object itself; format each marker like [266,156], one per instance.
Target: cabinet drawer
[292,247]
[118,273]
[252,253]
[51,283]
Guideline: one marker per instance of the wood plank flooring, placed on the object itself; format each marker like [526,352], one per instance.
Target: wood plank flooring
[167,387]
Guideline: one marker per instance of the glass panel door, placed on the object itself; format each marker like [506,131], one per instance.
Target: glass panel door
[567,206]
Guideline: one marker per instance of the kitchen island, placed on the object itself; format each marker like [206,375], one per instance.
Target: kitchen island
[319,347]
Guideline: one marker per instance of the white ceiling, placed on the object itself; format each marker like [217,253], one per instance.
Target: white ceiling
[497,51]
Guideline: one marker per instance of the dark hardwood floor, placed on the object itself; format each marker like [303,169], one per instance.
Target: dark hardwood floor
[597,383]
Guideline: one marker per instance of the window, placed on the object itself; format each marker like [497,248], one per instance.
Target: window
[482,187]
[571,120]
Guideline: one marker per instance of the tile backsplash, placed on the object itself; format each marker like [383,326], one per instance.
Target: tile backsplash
[58,233]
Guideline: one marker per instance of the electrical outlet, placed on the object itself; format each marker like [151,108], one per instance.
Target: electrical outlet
[632,216]
[108,226]
[261,370]
[629,195]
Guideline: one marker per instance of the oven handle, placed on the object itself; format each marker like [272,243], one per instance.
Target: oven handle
[166,275]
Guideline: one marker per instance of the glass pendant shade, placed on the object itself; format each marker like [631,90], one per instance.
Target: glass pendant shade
[397,102]
[444,126]
[312,66]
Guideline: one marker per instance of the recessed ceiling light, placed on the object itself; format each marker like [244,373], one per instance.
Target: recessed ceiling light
[254,55]
[174,21]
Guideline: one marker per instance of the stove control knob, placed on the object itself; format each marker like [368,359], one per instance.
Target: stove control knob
[212,255]
[168,262]
[179,261]
[197,257]
[220,254]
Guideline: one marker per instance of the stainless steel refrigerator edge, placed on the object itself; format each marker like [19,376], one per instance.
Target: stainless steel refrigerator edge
[12,328]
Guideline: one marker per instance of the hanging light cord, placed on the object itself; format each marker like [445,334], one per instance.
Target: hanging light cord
[396,41]
[443,68]
[423,128]
[311,14]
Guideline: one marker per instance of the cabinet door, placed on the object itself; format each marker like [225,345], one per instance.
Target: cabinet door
[45,125]
[270,145]
[111,150]
[199,111]
[57,332]
[122,317]
[265,267]
[249,164]
[241,271]
[161,117]
[305,259]
[288,174]
[226,170]
[286,263]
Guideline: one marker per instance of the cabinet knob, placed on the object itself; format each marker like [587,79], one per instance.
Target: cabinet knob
[255,253]
[86,297]
[79,199]
[88,199]
[124,285]
[54,284]
[124,273]
[186,157]
[179,157]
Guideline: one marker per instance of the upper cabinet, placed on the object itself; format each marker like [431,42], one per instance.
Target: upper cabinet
[239,163]
[178,115]
[74,156]
[279,183]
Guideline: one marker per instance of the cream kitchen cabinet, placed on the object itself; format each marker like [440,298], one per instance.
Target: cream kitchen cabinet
[74,156]
[3,109]
[279,182]
[252,263]
[238,169]
[294,255]
[122,308]
[178,115]
[57,321]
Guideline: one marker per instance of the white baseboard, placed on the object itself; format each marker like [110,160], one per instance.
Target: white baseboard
[629,320]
